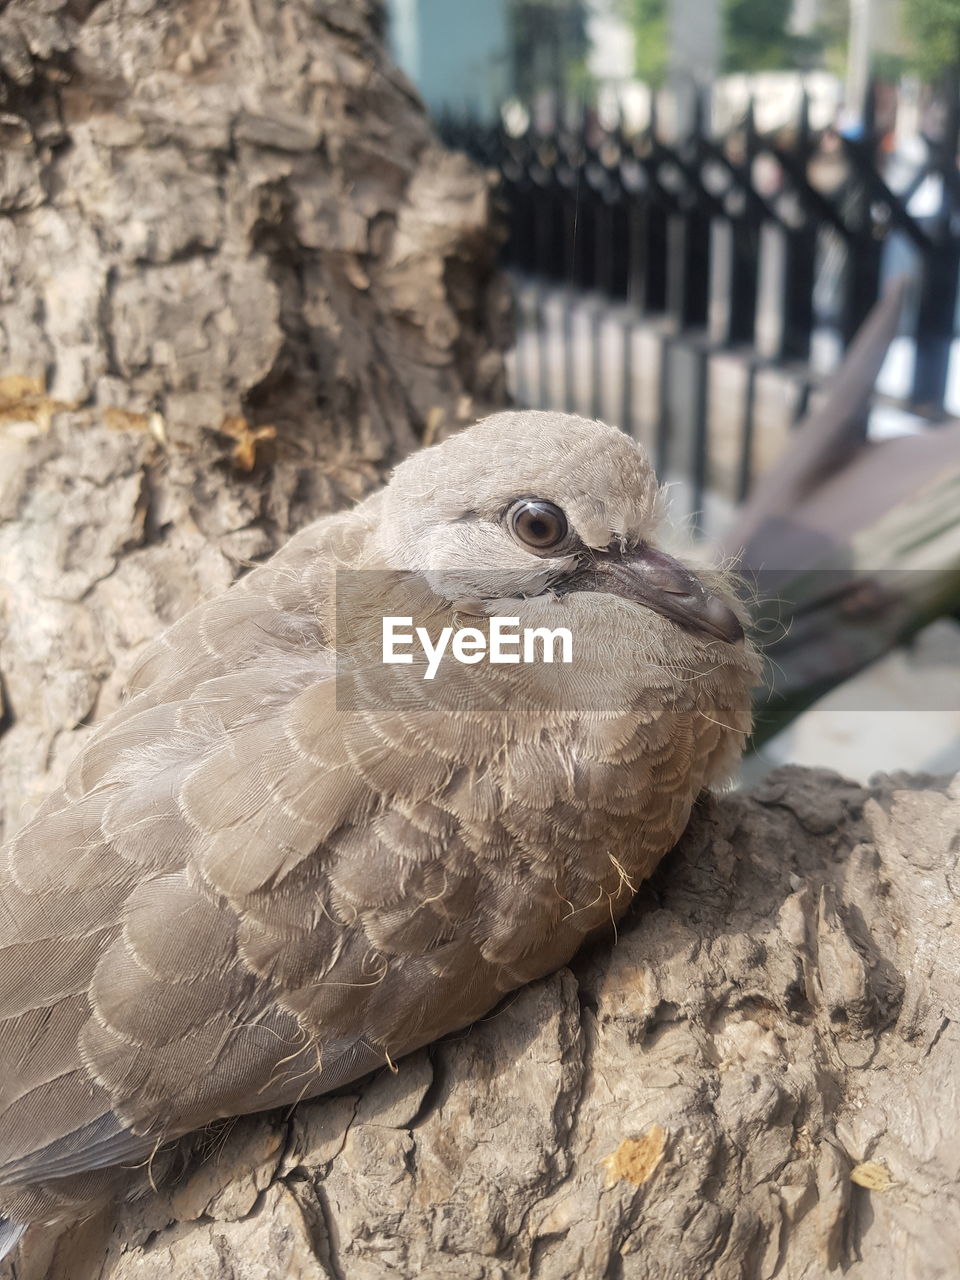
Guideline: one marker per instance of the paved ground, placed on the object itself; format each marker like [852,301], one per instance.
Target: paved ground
[919,729]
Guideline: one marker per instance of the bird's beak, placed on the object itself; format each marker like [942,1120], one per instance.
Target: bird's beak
[658,581]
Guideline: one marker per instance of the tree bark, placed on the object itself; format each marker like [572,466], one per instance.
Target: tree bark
[761,1078]
[239,279]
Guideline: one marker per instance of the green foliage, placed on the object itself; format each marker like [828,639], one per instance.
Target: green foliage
[549,45]
[649,19]
[889,67]
[756,35]
[932,28]
[833,32]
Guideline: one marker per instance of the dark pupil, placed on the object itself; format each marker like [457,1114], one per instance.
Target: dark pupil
[540,524]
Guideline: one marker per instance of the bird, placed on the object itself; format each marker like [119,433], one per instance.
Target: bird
[283,862]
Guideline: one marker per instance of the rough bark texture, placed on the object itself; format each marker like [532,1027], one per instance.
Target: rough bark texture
[239,279]
[761,1078]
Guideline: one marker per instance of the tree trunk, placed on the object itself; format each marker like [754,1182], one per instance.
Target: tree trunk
[759,1079]
[239,278]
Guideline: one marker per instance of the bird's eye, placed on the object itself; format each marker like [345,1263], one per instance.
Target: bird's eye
[537,524]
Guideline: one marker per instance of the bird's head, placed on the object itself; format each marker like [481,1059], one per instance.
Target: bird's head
[524,504]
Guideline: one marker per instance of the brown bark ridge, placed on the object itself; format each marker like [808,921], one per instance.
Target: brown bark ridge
[239,279]
[761,1078]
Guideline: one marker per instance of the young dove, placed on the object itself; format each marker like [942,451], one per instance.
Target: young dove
[284,862]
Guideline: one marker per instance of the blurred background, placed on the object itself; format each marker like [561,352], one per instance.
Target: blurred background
[702,201]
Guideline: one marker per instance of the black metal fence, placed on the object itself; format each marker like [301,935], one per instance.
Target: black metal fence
[694,235]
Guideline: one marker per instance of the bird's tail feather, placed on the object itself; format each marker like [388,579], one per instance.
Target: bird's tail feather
[10,1233]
